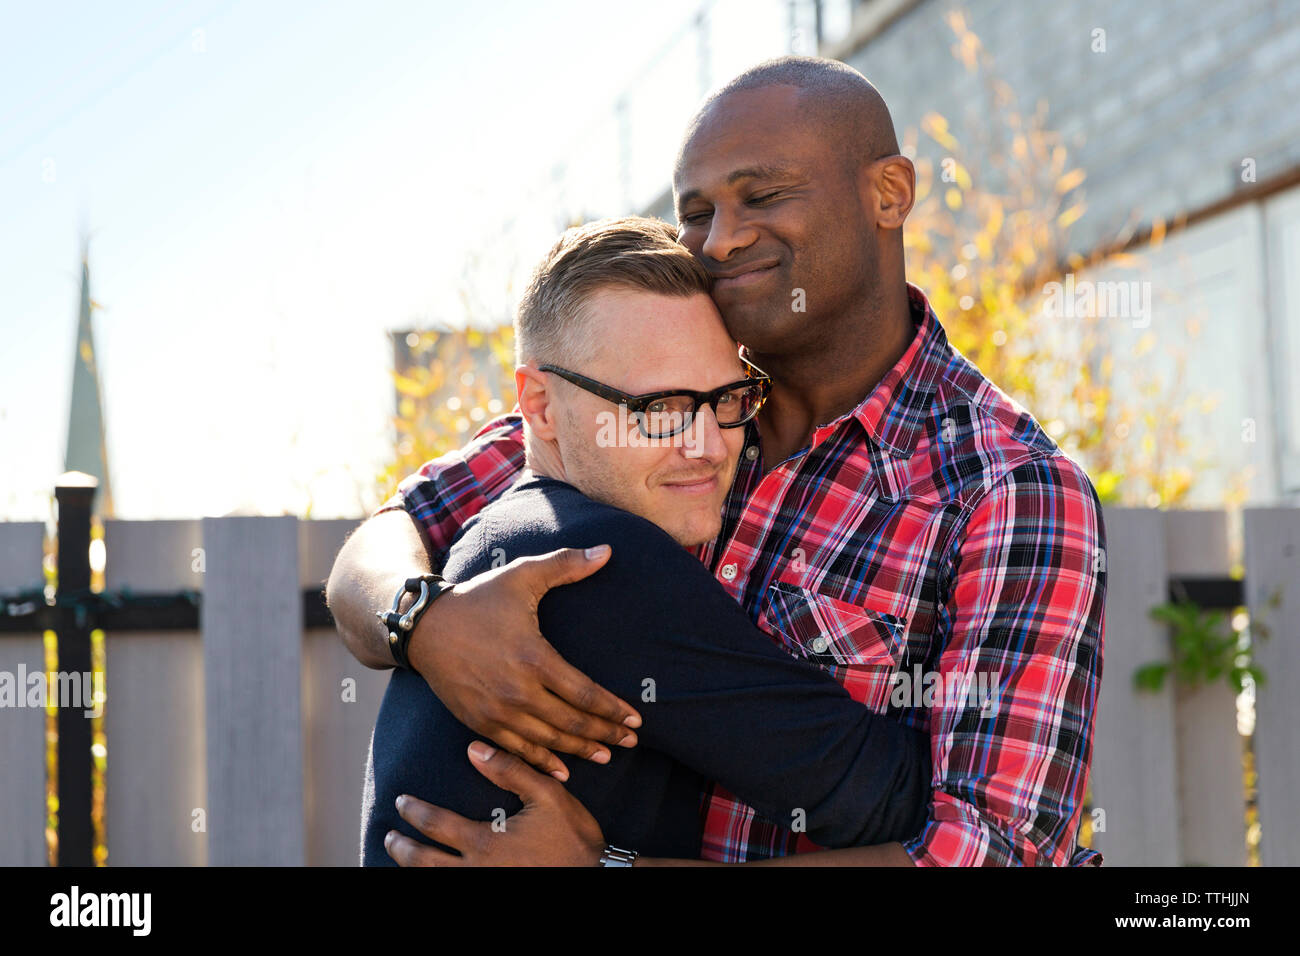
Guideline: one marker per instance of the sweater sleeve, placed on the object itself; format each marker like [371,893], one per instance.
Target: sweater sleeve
[718,695]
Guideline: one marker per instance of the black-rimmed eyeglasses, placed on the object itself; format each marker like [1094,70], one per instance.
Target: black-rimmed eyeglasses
[671,412]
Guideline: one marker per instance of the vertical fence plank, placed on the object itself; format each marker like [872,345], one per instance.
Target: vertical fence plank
[22,728]
[336,740]
[153,717]
[1273,568]
[1211,795]
[1134,776]
[340,703]
[252,661]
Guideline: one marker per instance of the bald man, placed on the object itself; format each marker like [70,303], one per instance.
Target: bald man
[895,519]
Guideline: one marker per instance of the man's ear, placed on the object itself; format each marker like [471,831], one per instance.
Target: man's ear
[891,190]
[535,401]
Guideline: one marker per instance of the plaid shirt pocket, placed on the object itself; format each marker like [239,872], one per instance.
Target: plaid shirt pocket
[834,633]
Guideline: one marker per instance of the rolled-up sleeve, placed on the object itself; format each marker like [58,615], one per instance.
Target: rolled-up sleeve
[1025,607]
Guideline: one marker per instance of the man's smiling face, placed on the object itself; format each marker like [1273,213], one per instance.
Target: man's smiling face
[651,343]
[770,205]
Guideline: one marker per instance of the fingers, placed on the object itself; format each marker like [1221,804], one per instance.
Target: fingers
[531,737]
[535,754]
[564,729]
[509,773]
[408,852]
[564,566]
[447,828]
[607,718]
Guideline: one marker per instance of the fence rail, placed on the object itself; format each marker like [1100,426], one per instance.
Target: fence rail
[238,734]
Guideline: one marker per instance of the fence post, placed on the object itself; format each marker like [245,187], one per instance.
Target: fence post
[1273,568]
[75,493]
[252,664]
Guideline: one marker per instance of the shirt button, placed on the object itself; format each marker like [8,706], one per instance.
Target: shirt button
[751,452]
[729,572]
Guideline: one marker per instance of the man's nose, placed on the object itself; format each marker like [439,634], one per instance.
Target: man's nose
[727,235]
[703,438]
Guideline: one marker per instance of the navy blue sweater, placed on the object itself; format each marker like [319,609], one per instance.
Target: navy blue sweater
[719,700]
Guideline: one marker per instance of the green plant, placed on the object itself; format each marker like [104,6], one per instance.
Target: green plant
[1203,650]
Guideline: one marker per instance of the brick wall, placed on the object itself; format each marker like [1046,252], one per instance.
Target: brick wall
[1161,121]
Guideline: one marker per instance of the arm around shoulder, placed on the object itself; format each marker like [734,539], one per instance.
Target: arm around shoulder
[371,566]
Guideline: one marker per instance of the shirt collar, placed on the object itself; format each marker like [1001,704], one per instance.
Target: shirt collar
[894,413]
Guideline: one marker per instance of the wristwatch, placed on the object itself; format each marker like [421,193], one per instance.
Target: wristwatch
[613,856]
[429,588]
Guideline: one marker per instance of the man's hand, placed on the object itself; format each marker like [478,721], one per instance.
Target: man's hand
[481,651]
[553,828]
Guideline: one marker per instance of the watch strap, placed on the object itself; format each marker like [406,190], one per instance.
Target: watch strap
[613,856]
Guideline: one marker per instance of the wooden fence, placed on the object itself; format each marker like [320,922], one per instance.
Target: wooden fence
[243,741]
[1167,765]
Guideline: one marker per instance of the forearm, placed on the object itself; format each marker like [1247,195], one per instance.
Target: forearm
[372,565]
[885,854]
[392,546]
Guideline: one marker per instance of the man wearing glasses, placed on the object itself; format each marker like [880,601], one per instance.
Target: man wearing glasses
[893,515]
[723,703]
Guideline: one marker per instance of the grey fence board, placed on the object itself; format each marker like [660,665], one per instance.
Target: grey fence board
[1211,797]
[336,738]
[153,718]
[340,702]
[1272,538]
[252,665]
[1134,771]
[22,729]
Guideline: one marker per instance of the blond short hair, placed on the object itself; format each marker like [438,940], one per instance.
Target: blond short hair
[634,252]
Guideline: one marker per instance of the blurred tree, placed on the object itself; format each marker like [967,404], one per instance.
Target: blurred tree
[448,382]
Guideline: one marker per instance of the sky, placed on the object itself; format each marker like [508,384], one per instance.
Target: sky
[269,188]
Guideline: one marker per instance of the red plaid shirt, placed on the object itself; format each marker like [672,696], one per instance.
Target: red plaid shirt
[939,555]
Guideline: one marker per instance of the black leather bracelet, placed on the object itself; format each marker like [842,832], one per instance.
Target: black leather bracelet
[428,588]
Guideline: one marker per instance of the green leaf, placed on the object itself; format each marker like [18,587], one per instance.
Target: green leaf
[1151,676]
